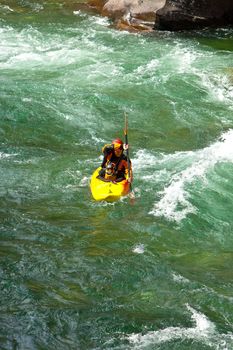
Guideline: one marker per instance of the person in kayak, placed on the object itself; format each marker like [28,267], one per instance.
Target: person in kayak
[114,154]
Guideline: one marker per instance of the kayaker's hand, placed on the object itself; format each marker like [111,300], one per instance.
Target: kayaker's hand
[130,180]
[125,146]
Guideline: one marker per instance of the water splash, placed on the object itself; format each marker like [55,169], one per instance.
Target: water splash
[219,87]
[7,155]
[203,331]
[176,195]
[6,8]
[139,249]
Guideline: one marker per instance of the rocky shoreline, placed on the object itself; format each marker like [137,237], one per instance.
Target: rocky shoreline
[148,15]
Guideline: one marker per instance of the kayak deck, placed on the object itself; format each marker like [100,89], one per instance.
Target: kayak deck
[107,191]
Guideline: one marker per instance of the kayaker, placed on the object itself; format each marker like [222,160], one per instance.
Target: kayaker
[114,153]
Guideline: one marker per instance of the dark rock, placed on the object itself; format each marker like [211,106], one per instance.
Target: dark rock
[191,14]
[141,15]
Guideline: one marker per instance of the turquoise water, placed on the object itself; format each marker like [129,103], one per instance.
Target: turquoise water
[77,274]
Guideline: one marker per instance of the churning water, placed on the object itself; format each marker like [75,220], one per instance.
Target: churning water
[77,274]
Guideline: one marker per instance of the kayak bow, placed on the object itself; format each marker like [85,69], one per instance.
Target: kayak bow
[108,191]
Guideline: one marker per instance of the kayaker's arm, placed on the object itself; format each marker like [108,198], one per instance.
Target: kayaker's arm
[107,151]
[130,179]
[125,171]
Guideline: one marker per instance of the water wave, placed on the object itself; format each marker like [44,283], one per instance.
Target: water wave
[174,203]
[35,48]
[203,331]
[7,155]
[6,9]
[219,87]
[139,249]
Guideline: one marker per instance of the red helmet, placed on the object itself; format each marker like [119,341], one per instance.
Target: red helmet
[117,143]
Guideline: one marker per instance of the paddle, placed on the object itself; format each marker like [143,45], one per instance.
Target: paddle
[131,194]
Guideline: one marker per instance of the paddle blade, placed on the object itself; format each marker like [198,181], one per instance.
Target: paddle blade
[132,197]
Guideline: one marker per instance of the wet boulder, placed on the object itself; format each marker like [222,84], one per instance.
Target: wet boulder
[186,14]
[133,15]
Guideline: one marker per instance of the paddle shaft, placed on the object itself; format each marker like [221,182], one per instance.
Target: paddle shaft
[127,150]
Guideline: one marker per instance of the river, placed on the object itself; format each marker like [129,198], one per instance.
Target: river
[79,274]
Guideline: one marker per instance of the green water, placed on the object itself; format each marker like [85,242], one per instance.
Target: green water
[77,274]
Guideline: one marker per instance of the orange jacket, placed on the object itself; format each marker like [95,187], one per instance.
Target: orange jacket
[121,163]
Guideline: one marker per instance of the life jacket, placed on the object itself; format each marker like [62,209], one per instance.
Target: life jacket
[120,163]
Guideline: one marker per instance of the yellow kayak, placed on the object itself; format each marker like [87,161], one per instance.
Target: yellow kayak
[108,191]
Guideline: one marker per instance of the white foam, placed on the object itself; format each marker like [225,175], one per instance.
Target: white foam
[175,195]
[186,60]
[7,155]
[183,58]
[96,139]
[25,57]
[30,48]
[219,87]
[180,59]
[139,249]
[27,99]
[143,159]
[203,330]
[180,279]
[103,21]
[176,59]
[174,203]
[148,68]
[96,20]
[84,181]
[6,8]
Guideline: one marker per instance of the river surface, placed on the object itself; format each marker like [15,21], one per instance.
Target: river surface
[155,273]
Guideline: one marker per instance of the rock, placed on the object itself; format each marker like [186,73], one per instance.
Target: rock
[186,14]
[132,15]
[134,25]
[97,4]
[146,15]
[137,8]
